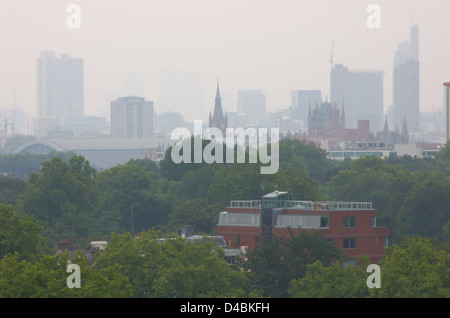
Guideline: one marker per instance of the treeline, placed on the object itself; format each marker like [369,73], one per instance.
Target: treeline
[67,198]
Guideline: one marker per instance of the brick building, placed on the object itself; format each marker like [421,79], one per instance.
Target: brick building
[351,225]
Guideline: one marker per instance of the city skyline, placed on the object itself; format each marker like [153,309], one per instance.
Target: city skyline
[264,45]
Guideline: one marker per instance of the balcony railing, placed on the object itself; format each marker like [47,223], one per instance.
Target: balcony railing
[249,204]
[305,205]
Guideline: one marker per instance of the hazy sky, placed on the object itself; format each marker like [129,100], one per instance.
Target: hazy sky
[274,45]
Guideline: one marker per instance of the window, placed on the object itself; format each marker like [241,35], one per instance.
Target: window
[374,221]
[350,262]
[349,221]
[239,240]
[324,221]
[385,243]
[349,243]
[257,241]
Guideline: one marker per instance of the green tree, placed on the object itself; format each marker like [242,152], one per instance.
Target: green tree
[197,213]
[443,159]
[240,181]
[319,167]
[333,281]
[295,181]
[11,189]
[371,179]
[19,234]
[173,267]
[272,267]
[148,164]
[426,208]
[48,278]
[175,171]
[130,200]
[62,198]
[417,268]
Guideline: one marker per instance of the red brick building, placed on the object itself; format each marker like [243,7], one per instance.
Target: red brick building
[351,225]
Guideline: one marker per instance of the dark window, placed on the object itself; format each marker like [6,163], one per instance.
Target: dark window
[349,243]
[349,221]
[324,221]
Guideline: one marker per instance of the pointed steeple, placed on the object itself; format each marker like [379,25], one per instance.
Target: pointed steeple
[218,90]
[386,127]
[405,133]
[218,119]
[218,112]
[343,115]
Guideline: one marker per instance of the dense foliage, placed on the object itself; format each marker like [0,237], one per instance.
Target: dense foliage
[63,196]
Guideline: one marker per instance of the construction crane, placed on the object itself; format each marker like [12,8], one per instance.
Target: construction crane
[9,120]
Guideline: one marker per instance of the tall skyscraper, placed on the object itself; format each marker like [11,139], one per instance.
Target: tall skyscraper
[301,100]
[253,104]
[368,98]
[131,117]
[447,108]
[60,86]
[406,82]
[360,93]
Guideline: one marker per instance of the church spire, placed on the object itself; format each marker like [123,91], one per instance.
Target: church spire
[218,120]
[217,91]
[218,112]
[386,127]
[405,133]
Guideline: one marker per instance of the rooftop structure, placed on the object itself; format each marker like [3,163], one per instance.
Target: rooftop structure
[101,152]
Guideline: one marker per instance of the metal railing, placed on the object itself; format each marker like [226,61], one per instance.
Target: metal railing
[246,204]
[307,205]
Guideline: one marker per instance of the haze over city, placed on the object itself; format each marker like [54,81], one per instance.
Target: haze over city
[274,46]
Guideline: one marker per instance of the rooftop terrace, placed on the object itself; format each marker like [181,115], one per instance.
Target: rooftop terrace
[303,205]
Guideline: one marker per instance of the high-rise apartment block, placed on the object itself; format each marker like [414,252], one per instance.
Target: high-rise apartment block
[60,87]
[360,93]
[406,82]
[60,91]
[131,117]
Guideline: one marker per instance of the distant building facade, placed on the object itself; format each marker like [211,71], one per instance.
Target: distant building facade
[253,104]
[406,82]
[301,101]
[131,117]
[361,92]
[60,87]
[326,120]
[351,225]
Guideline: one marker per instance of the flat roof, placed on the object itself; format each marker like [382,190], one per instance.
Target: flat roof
[93,144]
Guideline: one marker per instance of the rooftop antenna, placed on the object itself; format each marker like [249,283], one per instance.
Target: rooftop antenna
[331,55]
